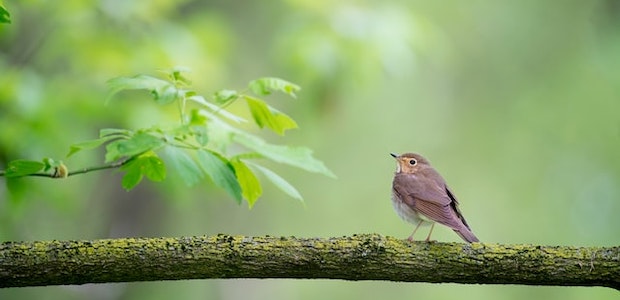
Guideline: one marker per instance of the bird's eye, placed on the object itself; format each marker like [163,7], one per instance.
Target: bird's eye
[413,162]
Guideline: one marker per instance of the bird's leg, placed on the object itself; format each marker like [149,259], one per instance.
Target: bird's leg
[428,238]
[410,238]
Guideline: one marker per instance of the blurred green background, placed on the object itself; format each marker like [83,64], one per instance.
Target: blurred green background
[516,103]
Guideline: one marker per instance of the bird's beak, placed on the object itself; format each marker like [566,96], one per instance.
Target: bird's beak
[394,155]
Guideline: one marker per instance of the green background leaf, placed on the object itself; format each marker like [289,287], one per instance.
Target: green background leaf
[184,164]
[133,174]
[264,86]
[137,144]
[5,16]
[153,168]
[268,116]
[299,157]
[162,91]
[114,131]
[249,183]
[223,96]
[221,172]
[279,182]
[150,166]
[87,145]
[22,167]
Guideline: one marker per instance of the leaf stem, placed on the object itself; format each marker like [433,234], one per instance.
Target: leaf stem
[117,164]
[181,106]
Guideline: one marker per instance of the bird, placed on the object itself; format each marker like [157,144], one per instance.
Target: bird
[420,194]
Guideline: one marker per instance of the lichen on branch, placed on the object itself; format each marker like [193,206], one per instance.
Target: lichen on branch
[357,257]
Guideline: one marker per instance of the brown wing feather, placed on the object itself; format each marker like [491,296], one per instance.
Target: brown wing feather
[440,214]
[455,207]
[427,186]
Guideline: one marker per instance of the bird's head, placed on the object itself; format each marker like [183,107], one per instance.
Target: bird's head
[409,163]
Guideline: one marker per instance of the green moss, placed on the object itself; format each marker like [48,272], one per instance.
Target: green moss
[357,257]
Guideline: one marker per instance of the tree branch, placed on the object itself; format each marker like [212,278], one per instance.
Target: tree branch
[358,257]
[57,172]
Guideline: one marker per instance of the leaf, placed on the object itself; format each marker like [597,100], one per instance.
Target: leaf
[264,86]
[220,134]
[280,182]
[165,94]
[150,166]
[49,164]
[224,96]
[268,116]
[139,143]
[91,144]
[201,135]
[153,168]
[221,172]
[22,167]
[195,118]
[162,91]
[299,157]
[183,163]
[215,109]
[114,131]
[177,75]
[133,175]
[247,180]
[5,16]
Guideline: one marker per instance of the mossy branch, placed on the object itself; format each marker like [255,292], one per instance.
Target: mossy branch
[357,257]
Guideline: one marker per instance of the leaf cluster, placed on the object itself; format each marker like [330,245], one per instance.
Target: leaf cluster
[198,146]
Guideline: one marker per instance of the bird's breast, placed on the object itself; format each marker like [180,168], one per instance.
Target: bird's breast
[404,211]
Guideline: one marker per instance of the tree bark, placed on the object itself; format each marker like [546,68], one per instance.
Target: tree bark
[357,257]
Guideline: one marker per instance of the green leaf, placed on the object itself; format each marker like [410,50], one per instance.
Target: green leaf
[195,118]
[220,135]
[153,168]
[49,164]
[91,144]
[165,94]
[221,172]
[280,182]
[223,96]
[267,116]
[299,157]
[5,16]
[114,131]
[177,75]
[264,86]
[183,163]
[162,91]
[217,110]
[150,166]
[201,135]
[247,180]
[22,167]
[133,174]
[139,143]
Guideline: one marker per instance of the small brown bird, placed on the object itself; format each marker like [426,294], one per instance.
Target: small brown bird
[420,194]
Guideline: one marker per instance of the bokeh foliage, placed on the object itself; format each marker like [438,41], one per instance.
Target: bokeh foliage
[515,103]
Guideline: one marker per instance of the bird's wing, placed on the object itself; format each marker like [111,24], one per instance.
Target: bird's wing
[443,214]
[455,207]
[432,198]
[427,186]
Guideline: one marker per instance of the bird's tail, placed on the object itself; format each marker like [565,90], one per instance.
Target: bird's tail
[467,235]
